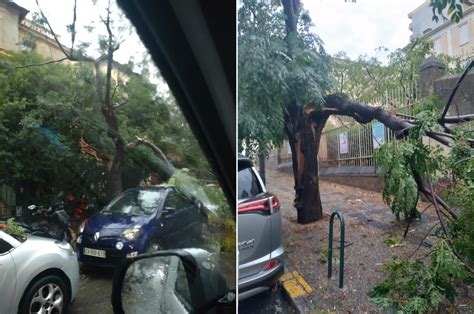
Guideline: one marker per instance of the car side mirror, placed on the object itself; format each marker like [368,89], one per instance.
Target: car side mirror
[168,212]
[168,209]
[175,281]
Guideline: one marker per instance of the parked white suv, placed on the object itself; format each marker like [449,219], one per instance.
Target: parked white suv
[39,275]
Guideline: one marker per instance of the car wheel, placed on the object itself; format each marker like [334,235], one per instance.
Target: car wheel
[153,246]
[48,294]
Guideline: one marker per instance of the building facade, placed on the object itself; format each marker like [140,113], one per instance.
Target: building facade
[450,38]
[17,33]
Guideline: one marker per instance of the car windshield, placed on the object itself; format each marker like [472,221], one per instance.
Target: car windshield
[134,203]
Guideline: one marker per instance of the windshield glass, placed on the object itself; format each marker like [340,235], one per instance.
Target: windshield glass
[134,203]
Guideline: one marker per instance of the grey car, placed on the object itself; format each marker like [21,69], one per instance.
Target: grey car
[260,243]
[39,275]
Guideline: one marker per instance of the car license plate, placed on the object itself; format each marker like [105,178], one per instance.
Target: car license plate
[94,252]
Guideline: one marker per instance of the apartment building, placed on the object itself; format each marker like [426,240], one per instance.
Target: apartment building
[18,33]
[450,38]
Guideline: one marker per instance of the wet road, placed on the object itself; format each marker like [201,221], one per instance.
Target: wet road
[266,302]
[95,292]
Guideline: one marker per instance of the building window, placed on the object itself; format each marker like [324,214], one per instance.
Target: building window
[437,45]
[463,34]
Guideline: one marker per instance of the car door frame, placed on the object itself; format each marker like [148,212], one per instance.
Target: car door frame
[8,268]
[174,232]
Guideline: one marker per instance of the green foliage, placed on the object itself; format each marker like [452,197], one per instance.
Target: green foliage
[13,229]
[323,254]
[221,221]
[29,42]
[45,111]
[399,161]
[413,287]
[369,78]
[461,195]
[275,68]
[393,240]
[455,9]
[37,18]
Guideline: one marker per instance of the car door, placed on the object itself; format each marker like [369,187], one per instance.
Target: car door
[178,218]
[7,276]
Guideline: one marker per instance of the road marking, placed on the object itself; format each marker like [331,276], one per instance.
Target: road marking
[286,276]
[303,282]
[293,289]
[295,285]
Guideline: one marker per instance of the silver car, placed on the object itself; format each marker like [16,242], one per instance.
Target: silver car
[260,244]
[39,275]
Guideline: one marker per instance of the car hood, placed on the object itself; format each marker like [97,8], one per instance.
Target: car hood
[113,225]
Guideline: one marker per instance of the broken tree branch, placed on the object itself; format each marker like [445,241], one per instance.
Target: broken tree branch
[457,119]
[73,26]
[34,64]
[449,239]
[158,152]
[52,31]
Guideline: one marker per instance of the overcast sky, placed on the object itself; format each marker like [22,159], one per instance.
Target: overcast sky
[59,13]
[356,28]
[359,28]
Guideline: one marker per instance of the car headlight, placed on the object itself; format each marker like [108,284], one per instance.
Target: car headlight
[119,245]
[131,233]
[82,226]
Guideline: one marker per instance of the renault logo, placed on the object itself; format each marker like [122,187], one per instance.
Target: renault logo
[96,236]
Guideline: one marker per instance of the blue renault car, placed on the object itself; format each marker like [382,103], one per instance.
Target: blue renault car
[141,220]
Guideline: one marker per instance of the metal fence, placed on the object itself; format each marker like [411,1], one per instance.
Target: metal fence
[353,144]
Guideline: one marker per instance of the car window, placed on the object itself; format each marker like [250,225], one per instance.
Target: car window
[4,246]
[177,201]
[135,203]
[182,290]
[249,185]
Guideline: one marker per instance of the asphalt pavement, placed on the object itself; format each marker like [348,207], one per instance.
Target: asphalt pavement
[266,302]
[95,290]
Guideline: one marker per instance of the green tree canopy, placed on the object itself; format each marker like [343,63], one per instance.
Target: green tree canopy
[275,68]
[49,113]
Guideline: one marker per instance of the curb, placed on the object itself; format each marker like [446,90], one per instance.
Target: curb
[296,289]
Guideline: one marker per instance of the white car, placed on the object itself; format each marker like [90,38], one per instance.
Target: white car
[39,275]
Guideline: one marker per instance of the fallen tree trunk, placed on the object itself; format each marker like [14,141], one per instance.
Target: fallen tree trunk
[337,104]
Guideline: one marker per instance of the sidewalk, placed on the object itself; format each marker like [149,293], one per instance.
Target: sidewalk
[369,222]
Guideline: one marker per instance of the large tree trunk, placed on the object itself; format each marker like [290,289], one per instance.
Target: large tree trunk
[113,182]
[303,137]
[304,134]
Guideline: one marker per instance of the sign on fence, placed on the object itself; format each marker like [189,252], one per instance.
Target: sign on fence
[343,143]
[378,134]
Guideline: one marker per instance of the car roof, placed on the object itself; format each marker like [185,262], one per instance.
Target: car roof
[244,162]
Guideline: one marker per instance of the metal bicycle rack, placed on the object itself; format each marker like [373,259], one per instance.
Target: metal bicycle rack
[341,250]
